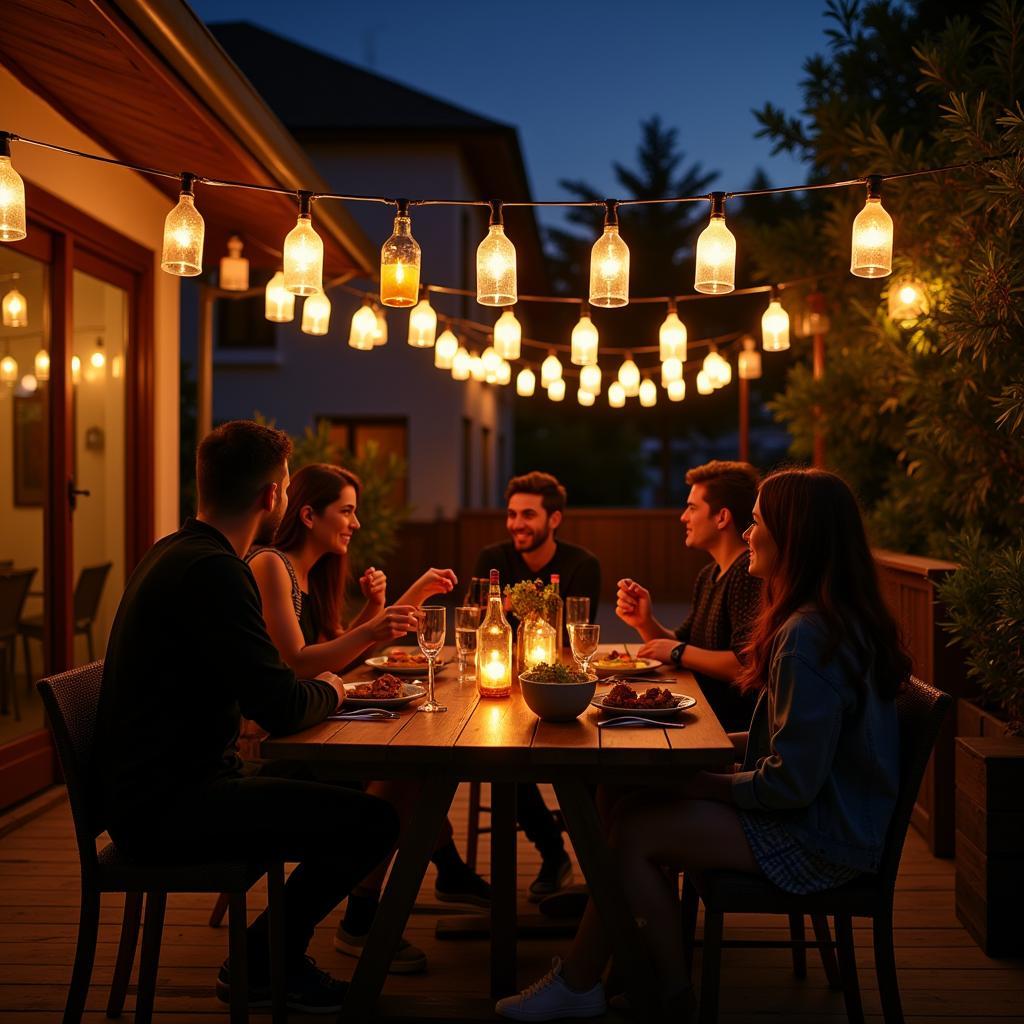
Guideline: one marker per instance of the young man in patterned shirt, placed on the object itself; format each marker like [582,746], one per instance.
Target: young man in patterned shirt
[726,597]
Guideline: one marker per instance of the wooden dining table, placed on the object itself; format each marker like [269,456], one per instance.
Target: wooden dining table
[502,742]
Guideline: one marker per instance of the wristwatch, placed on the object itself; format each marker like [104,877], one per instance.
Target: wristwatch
[677,654]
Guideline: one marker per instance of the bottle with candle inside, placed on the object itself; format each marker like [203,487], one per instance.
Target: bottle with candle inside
[494,646]
[555,612]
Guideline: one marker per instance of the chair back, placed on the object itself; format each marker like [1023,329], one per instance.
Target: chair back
[13,591]
[920,709]
[72,700]
[89,590]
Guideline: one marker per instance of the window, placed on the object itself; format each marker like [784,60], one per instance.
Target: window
[241,324]
[389,435]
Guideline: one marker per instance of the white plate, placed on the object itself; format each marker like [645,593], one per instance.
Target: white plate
[685,703]
[380,664]
[640,666]
[410,692]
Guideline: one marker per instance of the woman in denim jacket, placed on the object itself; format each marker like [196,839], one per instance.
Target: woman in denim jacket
[810,806]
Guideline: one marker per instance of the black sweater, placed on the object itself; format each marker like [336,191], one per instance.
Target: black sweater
[188,654]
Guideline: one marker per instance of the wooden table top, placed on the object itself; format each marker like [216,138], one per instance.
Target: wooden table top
[489,738]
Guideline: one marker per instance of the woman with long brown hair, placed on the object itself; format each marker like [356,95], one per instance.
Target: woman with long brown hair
[810,806]
[302,580]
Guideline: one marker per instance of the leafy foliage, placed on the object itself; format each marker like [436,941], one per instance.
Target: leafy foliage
[528,596]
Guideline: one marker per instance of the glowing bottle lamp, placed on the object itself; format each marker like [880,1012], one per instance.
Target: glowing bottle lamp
[716,253]
[184,229]
[496,265]
[538,643]
[494,646]
[871,251]
[303,253]
[609,263]
[400,262]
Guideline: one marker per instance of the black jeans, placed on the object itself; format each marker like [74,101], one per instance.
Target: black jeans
[336,833]
[538,822]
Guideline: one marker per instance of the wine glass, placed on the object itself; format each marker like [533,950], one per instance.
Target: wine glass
[467,621]
[430,628]
[577,609]
[583,639]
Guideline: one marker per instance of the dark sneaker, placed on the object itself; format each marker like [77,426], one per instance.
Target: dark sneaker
[408,959]
[553,875]
[307,990]
[463,887]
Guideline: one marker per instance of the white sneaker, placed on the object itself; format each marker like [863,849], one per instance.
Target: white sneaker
[551,999]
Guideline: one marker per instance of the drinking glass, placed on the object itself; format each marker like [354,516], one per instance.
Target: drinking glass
[467,621]
[430,629]
[583,639]
[577,609]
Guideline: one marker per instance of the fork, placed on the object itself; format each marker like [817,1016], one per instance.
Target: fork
[638,720]
[364,714]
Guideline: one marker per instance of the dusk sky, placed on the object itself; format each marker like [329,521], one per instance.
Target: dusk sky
[577,78]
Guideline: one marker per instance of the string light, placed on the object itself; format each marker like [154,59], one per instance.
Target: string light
[303,253]
[871,250]
[716,253]
[279,306]
[12,196]
[717,370]
[380,335]
[42,365]
[676,390]
[8,370]
[422,324]
[505,372]
[585,397]
[496,264]
[15,308]
[97,360]
[234,268]
[364,327]
[508,335]
[590,379]
[609,263]
[556,390]
[775,325]
[583,347]
[400,262]
[629,377]
[648,393]
[76,370]
[445,349]
[616,395]
[316,314]
[672,336]
[492,365]
[184,230]
[908,300]
[749,360]
[29,383]
[461,364]
[550,370]
[526,382]
[704,384]
[671,370]
[476,368]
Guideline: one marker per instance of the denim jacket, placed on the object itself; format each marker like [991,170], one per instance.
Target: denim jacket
[823,753]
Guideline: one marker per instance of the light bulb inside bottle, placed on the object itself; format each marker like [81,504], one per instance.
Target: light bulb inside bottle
[508,335]
[422,324]
[584,341]
[316,314]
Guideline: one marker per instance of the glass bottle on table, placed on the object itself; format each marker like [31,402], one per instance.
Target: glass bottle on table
[494,646]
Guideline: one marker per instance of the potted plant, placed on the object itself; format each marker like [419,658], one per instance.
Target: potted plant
[532,603]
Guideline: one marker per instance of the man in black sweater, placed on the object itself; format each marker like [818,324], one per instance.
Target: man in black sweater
[189,654]
[535,504]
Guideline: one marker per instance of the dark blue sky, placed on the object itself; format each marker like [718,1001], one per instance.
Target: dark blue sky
[577,78]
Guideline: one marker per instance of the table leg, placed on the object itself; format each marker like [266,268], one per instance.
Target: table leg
[415,847]
[503,889]
[591,848]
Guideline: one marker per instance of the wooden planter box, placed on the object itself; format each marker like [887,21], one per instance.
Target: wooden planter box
[990,841]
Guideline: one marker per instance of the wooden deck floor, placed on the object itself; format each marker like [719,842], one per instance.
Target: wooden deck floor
[943,976]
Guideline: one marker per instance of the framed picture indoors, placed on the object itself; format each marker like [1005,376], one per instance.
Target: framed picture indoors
[29,450]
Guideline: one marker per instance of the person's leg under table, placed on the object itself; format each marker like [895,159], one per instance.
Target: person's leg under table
[503,889]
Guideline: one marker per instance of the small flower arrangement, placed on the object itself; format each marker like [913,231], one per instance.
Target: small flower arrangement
[532,596]
[544,673]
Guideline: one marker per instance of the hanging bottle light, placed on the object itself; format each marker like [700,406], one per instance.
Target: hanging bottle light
[8,370]
[12,195]
[717,369]
[672,336]
[704,384]
[616,395]
[814,317]
[98,358]
[585,397]
[609,263]
[908,300]
[316,314]
[461,364]
[505,372]
[42,365]
[234,268]
[279,306]
[380,335]
[422,323]
[445,348]
[184,229]
[496,264]
[590,379]
[749,360]
[556,390]
[775,325]
[526,382]
[871,251]
[671,370]
[303,253]
[400,262]
[476,368]
[364,327]
[508,335]
[15,307]
[629,377]
[550,370]
[716,253]
[492,365]
[584,340]
[76,370]
[648,393]
[28,383]
[676,390]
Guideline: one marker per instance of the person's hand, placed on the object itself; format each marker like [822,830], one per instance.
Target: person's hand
[633,604]
[393,622]
[660,650]
[336,683]
[434,581]
[373,584]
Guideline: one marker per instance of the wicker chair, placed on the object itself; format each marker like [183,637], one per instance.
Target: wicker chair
[71,700]
[921,709]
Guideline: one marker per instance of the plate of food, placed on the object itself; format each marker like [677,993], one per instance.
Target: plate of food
[386,691]
[651,702]
[622,663]
[405,661]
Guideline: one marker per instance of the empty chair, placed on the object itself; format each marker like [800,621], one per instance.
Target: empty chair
[13,591]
